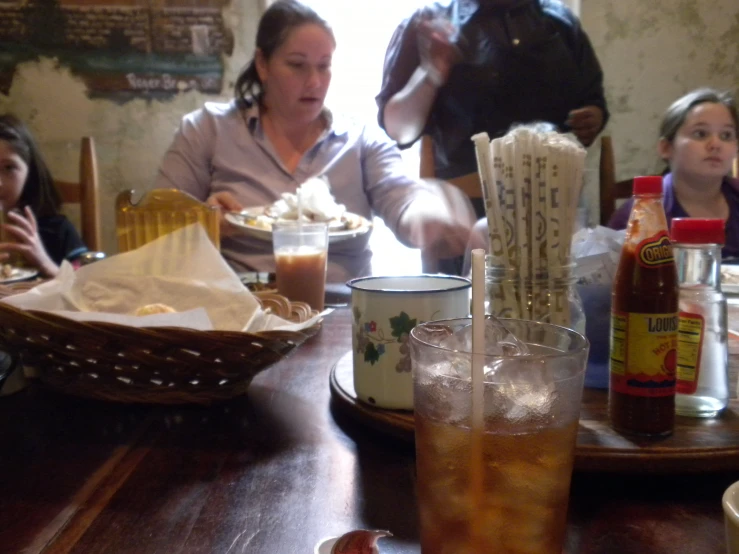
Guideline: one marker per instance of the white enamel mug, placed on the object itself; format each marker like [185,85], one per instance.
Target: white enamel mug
[384,310]
[730,503]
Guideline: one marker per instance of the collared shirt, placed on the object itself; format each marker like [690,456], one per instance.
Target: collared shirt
[522,61]
[224,148]
[673,209]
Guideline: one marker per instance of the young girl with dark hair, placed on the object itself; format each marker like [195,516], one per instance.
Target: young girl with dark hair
[38,231]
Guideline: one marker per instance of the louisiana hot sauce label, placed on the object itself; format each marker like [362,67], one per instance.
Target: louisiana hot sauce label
[644,353]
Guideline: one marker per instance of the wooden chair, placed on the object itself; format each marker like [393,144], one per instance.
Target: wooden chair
[610,190]
[85,193]
[469,183]
[159,212]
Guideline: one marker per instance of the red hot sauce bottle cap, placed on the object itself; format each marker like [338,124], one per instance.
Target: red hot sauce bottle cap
[651,184]
[694,230]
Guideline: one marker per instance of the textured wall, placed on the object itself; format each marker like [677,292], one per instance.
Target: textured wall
[653,52]
[131,137]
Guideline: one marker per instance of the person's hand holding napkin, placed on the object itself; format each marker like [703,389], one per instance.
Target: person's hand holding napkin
[182,269]
[439,217]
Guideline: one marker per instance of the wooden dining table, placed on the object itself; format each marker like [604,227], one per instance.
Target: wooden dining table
[275,472]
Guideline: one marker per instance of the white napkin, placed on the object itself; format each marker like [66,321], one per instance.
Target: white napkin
[182,269]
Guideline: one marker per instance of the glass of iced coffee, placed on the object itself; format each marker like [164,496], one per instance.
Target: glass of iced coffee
[301,251]
[502,485]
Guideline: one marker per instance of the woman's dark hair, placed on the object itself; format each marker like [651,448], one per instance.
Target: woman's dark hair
[274,27]
[38,191]
[677,113]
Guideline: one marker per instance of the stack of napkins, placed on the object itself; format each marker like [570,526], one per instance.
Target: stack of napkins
[182,270]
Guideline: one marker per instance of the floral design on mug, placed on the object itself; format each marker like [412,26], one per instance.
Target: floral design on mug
[371,341]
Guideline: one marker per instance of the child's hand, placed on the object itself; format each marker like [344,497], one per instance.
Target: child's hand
[28,244]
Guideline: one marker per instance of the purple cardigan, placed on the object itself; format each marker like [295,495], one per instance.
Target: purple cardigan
[730,188]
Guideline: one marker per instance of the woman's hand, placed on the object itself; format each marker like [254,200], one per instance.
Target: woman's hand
[24,229]
[439,219]
[225,202]
[438,53]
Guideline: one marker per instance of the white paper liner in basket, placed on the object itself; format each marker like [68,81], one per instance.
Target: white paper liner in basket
[182,269]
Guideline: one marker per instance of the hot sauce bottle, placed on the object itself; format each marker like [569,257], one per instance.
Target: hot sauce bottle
[644,320]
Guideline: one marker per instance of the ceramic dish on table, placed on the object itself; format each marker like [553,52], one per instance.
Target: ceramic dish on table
[730,279]
[256,223]
[17,274]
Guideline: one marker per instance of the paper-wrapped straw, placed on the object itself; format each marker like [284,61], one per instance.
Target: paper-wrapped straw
[478,335]
[502,152]
[299,194]
[485,167]
[508,203]
[496,227]
[477,362]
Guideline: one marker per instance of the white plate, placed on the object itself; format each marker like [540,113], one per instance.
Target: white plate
[246,218]
[730,279]
[19,274]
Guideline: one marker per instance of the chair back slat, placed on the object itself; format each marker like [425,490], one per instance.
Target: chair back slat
[86,194]
[607,181]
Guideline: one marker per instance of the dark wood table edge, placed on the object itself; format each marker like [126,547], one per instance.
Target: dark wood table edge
[395,423]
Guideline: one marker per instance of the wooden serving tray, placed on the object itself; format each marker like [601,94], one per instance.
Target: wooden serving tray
[697,445]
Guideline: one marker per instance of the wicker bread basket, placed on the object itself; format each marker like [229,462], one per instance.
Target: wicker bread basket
[146,365]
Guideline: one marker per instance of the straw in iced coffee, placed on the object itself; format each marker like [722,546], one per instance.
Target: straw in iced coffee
[478,388]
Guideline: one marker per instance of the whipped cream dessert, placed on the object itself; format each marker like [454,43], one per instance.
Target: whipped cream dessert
[316,204]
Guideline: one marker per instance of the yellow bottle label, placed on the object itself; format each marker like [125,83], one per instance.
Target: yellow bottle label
[643,353]
[689,346]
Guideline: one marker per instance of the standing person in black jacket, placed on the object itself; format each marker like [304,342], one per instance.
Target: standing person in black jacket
[460,67]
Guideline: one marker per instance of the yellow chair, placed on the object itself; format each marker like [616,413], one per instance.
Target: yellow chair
[158,213]
[85,193]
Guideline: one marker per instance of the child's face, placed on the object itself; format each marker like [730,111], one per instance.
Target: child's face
[13,173]
[705,145]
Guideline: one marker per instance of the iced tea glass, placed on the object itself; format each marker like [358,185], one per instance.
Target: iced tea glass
[509,495]
[301,252]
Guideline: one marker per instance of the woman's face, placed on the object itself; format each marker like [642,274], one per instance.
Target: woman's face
[705,145]
[13,174]
[296,78]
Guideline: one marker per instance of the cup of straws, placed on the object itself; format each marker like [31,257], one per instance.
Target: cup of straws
[531,182]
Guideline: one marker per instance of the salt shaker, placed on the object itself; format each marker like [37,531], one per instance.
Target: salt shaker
[702,351]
